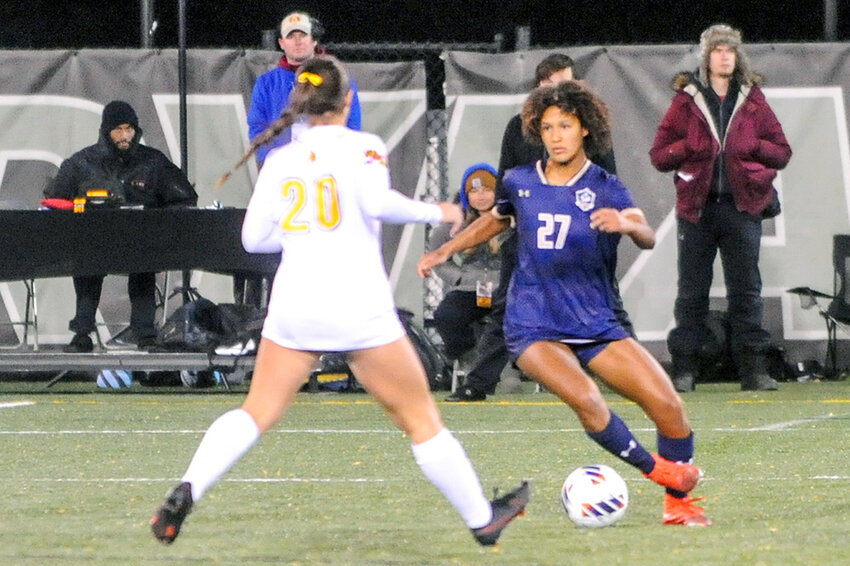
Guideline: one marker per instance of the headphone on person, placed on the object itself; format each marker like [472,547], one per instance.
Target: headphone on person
[317,28]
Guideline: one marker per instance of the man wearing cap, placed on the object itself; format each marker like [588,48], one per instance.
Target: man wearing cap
[725,145]
[129,173]
[299,39]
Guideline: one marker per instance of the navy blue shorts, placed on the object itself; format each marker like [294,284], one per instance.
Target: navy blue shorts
[584,352]
[588,351]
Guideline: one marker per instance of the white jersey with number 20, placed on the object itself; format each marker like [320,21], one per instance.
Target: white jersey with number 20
[321,200]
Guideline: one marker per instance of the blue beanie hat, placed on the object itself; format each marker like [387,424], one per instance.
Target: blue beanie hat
[464,199]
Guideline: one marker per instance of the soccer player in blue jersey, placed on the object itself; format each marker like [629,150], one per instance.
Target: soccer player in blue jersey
[570,215]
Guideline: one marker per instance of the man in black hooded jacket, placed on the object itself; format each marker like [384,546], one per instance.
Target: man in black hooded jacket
[132,174]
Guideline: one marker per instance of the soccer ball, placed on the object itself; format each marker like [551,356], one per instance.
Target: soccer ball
[595,496]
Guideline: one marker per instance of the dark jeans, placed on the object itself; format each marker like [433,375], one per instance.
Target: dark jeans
[492,354]
[142,290]
[454,318]
[737,236]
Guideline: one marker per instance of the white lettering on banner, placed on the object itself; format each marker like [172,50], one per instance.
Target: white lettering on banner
[26,155]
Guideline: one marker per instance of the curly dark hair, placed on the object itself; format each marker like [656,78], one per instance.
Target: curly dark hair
[572,97]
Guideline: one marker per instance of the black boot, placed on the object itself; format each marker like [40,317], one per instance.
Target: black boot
[80,344]
[684,373]
[752,369]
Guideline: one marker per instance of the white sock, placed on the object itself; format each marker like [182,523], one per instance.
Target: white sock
[227,439]
[444,462]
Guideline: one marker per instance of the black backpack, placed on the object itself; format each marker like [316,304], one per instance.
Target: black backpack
[335,375]
[201,326]
[437,366]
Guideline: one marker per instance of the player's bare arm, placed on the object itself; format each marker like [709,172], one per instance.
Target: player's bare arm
[484,228]
[452,213]
[630,222]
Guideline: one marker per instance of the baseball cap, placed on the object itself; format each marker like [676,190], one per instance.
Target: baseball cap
[296,21]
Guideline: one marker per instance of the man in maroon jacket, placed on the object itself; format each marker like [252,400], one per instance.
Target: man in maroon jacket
[725,145]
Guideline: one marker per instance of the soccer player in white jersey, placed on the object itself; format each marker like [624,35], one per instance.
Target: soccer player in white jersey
[320,200]
[570,215]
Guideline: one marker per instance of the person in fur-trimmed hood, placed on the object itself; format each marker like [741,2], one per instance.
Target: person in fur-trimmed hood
[725,145]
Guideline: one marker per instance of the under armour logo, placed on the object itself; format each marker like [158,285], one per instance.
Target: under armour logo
[632,446]
[524,192]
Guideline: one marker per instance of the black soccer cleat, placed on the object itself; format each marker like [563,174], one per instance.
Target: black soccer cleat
[167,520]
[505,510]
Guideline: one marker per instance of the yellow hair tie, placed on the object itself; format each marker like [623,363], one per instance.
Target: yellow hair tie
[312,78]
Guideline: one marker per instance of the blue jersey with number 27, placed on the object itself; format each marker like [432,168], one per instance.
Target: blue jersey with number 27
[561,288]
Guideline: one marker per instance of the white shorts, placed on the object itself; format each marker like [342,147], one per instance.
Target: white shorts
[334,335]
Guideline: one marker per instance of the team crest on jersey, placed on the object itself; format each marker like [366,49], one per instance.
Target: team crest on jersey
[585,199]
[373,156]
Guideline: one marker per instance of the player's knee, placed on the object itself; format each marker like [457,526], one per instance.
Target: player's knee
[669,409]
[590,407]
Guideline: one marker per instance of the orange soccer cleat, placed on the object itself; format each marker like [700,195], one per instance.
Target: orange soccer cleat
[675,475]
[684,511]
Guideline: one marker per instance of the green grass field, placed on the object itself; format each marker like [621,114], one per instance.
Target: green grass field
[81,473]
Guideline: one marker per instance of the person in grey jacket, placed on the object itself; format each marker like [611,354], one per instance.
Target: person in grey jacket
[470,278]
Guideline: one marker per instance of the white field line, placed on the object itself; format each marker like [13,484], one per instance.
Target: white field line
[828,478]
[227,480]
[283,431]
[300,431]
[13,404]
[785,425]
[788,426]
[772,427]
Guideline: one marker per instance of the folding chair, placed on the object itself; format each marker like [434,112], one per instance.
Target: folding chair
[30,319]
[809,299]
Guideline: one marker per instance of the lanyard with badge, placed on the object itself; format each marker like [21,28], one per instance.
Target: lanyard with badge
[483,289]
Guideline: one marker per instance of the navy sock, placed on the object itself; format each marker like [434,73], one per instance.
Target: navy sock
[676,450]
[617,439]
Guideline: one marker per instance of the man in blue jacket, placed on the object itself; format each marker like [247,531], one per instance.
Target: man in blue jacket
[299,39]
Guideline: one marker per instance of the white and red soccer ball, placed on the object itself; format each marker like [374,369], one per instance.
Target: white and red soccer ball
[595,496]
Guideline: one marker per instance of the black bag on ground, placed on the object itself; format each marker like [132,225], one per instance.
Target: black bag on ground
[201,326]
[716,362]
[194,327]
[335,375]
[437,366]
[715,353]
[240,322]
